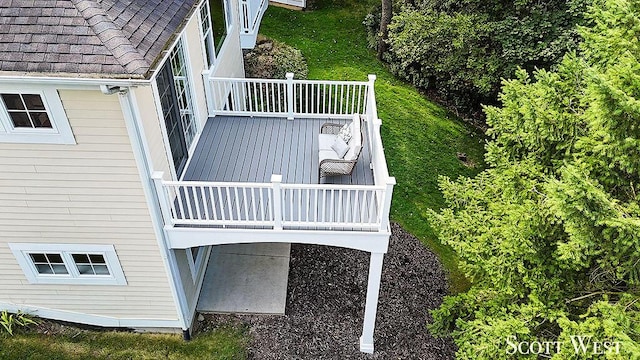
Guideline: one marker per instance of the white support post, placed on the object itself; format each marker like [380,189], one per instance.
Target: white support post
[386,206]
[290,100]
[371,304]
[276,180]
[162,197]
[208,93]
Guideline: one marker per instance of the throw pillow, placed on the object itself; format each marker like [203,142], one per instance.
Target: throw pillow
[340,147]
[345,133]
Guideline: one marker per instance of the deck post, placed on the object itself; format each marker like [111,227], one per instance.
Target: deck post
[208,93]
[371,304]
[162,197]
[386,206]
[290,101]
[276,180]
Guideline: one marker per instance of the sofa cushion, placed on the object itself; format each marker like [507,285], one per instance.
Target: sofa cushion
[328,154]
[325,141]
[340,147]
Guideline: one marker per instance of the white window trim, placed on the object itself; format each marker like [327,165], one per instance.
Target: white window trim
[195,265]
[59,133]
[21,252]
[208,37]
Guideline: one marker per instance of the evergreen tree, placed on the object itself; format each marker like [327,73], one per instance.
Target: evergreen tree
[550,234]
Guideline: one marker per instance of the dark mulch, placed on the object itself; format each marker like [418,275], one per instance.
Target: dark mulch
[325,305]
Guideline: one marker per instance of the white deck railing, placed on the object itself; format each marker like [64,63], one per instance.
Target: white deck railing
[288,98]
[272,205]
[286,206]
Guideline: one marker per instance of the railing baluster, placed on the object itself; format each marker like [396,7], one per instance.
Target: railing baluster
[196,203]
[205,203]
[339,214]
[341,99]
[262,210]
[213,203]
[188,198]
[221,202]
[372,206]
[299,204]
[253,204]
[246,205]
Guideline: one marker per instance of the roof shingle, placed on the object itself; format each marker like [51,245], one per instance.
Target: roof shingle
[97,38]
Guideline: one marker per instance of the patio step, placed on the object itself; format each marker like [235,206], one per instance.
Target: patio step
[246,278]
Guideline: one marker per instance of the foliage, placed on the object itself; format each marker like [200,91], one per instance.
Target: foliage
[421,139]
[549,233]
[272,59]
[72,343]
[10,321]
[462,49]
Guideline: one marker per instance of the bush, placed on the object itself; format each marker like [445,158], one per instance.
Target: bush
[271,59]
[463,49]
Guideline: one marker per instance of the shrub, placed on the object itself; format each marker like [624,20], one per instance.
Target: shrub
[272,59]
[463,49]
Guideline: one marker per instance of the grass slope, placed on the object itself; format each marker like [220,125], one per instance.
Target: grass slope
[421,138]
[225,343]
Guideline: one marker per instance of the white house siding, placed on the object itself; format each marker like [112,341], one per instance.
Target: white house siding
[89,193]
[158,155]
[152,129]
[229,62]
[196,61]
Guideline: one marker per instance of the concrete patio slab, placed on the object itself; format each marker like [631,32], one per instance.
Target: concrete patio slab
[246,278]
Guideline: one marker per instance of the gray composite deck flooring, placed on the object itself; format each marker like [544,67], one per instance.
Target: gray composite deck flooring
[245,149]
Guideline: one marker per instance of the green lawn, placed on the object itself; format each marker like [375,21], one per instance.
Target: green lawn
[225,343]
[421,138]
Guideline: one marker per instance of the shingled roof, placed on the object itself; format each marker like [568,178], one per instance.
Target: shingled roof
[87,38]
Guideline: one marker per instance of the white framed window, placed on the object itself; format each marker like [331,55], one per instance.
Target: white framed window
[69,264]
[30,114]
[206,32]
[184,95]
[195,258]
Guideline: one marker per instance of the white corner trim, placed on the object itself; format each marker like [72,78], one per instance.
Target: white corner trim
[59,133]
[141,153]
[90,319]
[116,276]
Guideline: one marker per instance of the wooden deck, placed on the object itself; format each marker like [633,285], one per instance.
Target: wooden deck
[244,149]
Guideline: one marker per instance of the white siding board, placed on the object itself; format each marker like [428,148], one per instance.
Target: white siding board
[89,193]
[194,44]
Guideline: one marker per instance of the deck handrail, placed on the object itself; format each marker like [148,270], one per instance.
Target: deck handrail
[287,97]
[272,205]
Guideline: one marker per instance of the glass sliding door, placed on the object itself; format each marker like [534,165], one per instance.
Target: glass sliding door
[172,119]
[176,99]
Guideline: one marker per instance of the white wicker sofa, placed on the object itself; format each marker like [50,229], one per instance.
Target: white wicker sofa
[339,148]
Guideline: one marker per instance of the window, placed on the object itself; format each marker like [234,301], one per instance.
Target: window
[220,11]
[26,110]
[31,114]
[195,258]
[183,92]
[207,34]
[69,264]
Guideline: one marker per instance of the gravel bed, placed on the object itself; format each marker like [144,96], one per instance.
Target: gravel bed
[325,305]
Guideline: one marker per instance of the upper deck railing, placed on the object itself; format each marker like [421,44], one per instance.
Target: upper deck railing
[288,97]
[286,206]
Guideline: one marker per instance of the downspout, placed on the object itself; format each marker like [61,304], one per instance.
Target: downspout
[140,151]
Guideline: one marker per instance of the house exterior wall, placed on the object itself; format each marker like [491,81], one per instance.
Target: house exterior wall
[229,62]
[88,193]
[153,129]
[195,53]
